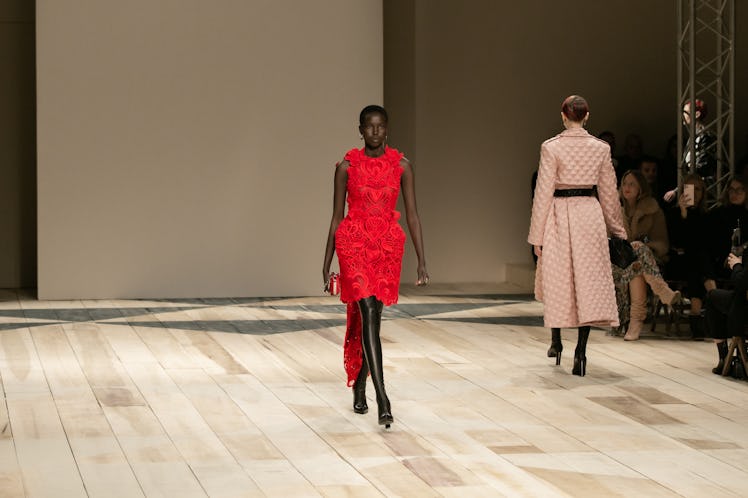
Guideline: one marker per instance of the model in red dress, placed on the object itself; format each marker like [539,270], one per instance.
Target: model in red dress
[369,242]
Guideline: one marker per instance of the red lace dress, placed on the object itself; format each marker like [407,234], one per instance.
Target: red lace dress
[369,242]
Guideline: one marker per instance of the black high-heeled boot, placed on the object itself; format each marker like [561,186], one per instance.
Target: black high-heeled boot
[371,318]
[722,351]
[359,390]
[696,324]
[580,353]
[556,345]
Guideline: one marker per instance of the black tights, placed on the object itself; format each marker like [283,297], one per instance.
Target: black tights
[371,320]
[584,334]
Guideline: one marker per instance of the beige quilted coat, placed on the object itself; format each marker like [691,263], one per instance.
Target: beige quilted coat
[574,279]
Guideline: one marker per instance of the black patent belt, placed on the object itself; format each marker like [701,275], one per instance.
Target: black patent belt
[574,192]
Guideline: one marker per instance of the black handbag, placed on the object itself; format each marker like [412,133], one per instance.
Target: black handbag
[621,252]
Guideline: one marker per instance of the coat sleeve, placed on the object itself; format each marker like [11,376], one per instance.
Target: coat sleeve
[543,198]
[658,239]
[739,278]
[607,193]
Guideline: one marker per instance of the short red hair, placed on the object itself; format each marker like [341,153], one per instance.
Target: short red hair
[700,108]
[575,108]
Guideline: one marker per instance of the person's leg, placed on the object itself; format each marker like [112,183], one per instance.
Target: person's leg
[371,317]
[580,353]
[638,313]
[556,345]
[718,304]
[359,390]
[662,290]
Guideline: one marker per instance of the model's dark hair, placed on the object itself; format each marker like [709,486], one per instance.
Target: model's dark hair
[575,108]
[371,109]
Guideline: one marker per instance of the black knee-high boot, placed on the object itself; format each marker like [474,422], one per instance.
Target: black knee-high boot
[359,390]
[580,353]
[556,345]
[722,352]
[371,318]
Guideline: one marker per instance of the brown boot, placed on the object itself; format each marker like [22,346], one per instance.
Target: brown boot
[662,290]
[638,293]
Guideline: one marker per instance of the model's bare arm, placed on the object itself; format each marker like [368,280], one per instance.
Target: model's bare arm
[411,216]
[338,210]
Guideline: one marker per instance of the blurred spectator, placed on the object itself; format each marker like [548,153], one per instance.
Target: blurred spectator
[632,153]
[646,230]
[648,168]
[705,162]
[726,310]
[667,173]
[608,136]
[731,213]
[688,257]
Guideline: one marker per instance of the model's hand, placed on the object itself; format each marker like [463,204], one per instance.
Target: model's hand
[636,244]
[669,195]
[423,276]
[538,250]
[325,281]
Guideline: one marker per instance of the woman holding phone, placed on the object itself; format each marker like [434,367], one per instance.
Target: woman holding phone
[689,261]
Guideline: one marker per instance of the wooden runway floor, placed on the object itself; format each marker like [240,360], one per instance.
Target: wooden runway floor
[247,397]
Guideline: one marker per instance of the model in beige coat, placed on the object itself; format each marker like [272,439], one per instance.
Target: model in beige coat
[570,233]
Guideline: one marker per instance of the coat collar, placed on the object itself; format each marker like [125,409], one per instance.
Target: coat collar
[574,132]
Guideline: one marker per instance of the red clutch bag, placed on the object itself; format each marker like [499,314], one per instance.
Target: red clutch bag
[333,285]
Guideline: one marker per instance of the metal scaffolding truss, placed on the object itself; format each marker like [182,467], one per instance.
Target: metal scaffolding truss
[706,71]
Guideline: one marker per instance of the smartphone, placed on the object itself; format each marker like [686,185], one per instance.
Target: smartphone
[688,190]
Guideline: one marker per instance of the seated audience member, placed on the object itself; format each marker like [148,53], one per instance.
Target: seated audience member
[610,138]
[632,153]
[648,168]
[688,258]
[667,172]
[646,230]
[731,213]
[726,309]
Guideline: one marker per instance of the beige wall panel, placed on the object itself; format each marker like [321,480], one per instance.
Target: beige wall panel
[17,146]
[186,148]
[400,100]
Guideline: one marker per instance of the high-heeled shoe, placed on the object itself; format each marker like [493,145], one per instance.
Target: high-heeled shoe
[556,345]
[580,365]
[385,413]
[555,350]
[359,398]
[677,300]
